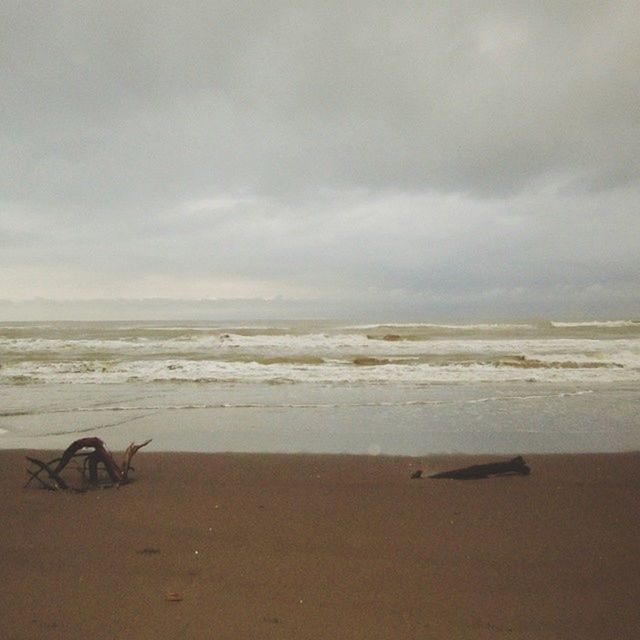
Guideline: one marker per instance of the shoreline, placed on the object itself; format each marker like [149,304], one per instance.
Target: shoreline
[310,419]
[461,456]
[325,545]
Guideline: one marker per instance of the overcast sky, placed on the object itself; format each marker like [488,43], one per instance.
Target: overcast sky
[409,160]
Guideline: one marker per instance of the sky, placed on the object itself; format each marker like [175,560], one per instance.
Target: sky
[396,160]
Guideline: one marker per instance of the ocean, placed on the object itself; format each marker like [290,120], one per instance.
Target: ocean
[323,387]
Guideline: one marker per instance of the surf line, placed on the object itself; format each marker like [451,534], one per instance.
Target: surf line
[95,428]
[310,405]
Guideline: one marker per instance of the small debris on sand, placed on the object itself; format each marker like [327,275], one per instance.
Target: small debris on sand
[173,596]
[148,551]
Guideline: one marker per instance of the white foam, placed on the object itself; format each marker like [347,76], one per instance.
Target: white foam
[330,357]
[613,324]
[461,327]
[332,373]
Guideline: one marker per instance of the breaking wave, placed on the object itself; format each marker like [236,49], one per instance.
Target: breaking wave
[313,352]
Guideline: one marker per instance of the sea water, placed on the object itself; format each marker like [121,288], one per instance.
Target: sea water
[324,387]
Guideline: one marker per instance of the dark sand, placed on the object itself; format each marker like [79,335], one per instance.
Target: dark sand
[269,546]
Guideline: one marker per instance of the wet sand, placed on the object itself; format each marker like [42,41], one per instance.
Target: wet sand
[302,546]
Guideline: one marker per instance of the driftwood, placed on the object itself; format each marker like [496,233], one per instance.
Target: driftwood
[75,453]
[481,471]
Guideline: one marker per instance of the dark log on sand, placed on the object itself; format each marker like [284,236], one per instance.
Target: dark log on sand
[480,471]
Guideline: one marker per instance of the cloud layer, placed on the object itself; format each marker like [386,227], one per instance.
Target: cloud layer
[356,153]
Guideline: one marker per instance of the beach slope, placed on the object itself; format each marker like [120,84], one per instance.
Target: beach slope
[302,546]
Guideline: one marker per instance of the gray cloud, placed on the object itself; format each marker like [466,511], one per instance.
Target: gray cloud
[446,150]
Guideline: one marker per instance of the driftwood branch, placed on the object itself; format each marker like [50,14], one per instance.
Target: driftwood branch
[480,471]
[98,455]
[56,481]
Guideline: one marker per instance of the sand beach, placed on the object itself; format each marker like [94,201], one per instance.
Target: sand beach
[324,546]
